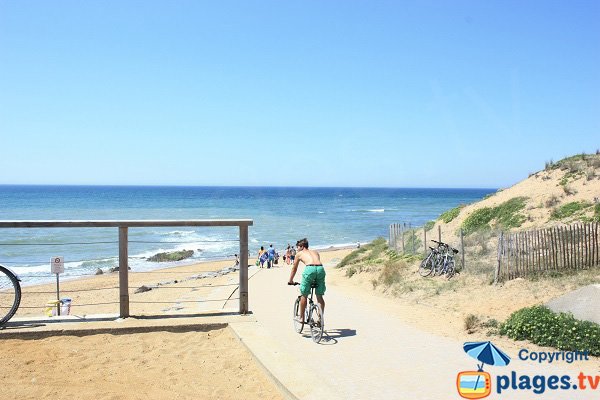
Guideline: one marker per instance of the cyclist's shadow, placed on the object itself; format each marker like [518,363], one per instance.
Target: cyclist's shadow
[331,336]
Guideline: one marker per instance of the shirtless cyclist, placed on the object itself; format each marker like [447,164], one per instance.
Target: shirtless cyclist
[313,272]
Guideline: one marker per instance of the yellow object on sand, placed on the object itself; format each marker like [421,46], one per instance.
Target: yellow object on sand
[52,307]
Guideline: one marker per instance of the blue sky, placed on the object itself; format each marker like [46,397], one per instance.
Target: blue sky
[304,93]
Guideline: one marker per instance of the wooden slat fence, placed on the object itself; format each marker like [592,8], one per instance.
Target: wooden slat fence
[558,248]
[402,238]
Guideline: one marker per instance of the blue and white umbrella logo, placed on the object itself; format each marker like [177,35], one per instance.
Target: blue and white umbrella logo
[487,353]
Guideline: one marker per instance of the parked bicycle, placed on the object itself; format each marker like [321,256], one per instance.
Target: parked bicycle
[313,316]
[10,294]
[439,261]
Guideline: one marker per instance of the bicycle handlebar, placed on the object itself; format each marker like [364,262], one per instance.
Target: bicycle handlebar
[293,283]
[442,244]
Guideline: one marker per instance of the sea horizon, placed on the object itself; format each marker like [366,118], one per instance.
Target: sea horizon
[242,186]
[332,216]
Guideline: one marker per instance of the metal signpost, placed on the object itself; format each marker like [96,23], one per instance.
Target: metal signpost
[57,266]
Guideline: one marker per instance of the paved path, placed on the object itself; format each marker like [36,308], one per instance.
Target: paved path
[366,354]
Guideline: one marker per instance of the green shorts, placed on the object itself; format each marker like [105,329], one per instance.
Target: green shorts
[313,274]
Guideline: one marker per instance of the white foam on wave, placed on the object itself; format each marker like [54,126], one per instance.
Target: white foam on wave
[179,233]
[371,210]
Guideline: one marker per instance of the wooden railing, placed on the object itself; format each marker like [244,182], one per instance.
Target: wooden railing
[123,227]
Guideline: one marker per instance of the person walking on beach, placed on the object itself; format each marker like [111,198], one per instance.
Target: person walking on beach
[271,253]
[261,259]
[288,253]
[313,272]
[292,254]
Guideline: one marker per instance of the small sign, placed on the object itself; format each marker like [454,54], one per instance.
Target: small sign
[57,265]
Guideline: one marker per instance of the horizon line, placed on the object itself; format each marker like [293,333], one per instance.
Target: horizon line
[241,186]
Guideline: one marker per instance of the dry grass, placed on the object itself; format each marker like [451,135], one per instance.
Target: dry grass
[470,296]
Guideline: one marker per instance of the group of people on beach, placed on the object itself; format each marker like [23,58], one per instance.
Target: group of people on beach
[270,256]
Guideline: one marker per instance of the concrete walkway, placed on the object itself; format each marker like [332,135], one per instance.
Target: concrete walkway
[365,354]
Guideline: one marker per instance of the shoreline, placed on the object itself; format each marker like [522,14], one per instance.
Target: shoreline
[51,278]
[180,289]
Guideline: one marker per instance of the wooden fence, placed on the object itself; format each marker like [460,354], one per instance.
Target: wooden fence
[404,238]
[398,238]
[558,248]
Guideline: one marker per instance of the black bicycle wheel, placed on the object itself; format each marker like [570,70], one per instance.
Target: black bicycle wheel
[426,266]
[298,325]
[10,295]
[316,323]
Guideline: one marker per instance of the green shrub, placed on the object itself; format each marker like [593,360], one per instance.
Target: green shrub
[367,253]
[597,212]
[449,215]
[541,326]
[478,220]
[569,209]
[427,227]
[376,247]
[507,215]
[352,257]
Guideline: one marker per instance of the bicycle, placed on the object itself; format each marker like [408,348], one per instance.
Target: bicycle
[428,264]
[313,316]
[10,294]
[439,261]
[447,265]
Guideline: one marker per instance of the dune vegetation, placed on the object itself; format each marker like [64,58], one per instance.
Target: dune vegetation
[564,192]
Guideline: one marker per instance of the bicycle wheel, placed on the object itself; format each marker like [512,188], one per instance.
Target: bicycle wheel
[426,266]
[10,295]
[316,322]
[451,269]
[438,265]
[298,326]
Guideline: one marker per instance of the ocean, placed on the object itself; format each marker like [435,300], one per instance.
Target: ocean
[281,215]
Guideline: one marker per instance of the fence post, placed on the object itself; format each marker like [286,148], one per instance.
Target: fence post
[424,241]
[402,233]
[462,248]
[500,244]
[123,272]
[440,233]
[243,269]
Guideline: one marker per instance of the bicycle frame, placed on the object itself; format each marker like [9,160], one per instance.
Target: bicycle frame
[314,322]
